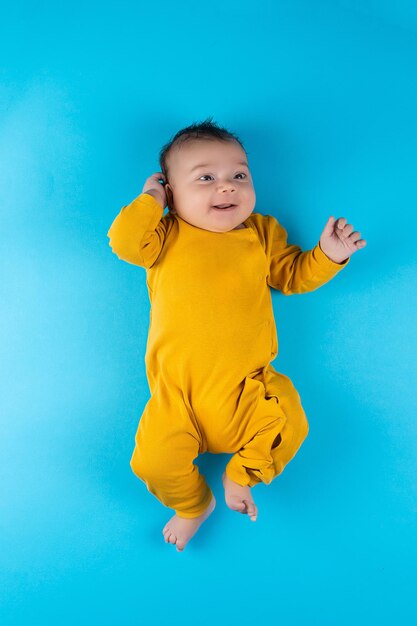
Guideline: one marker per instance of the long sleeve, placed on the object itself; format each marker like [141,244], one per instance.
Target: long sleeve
[293,271]
[138,233]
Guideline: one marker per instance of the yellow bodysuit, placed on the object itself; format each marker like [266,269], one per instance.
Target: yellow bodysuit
[211,340]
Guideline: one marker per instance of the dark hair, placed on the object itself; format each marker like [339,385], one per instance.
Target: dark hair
[203,130]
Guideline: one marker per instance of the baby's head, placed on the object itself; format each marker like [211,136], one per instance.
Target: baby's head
[205,166]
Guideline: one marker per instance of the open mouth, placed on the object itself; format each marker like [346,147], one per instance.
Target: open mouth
[224,207]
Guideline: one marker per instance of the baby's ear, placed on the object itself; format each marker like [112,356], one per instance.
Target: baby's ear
[170,198]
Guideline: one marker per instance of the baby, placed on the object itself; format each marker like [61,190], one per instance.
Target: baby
[210,263]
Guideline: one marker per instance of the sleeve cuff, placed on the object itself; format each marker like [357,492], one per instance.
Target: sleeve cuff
[325,261]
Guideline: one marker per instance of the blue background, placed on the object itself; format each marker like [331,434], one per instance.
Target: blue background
[323,94]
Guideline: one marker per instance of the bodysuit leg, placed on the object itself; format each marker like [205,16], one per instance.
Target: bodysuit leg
[166,443]
[278,426]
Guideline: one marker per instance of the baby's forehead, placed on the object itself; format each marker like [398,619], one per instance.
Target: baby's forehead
[188,155]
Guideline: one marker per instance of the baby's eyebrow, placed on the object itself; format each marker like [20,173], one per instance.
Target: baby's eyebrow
[196,167]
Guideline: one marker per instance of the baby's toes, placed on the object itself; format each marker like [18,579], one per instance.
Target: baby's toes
[167,535]
[180,546]
[252,510]
[172,538]
[237,504]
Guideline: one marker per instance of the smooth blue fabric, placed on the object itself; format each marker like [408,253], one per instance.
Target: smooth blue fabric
[323,95]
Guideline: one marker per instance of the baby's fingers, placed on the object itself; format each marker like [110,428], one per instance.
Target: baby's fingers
[356,240]
[158,177]
[340,223]
[355,236]
[344,229]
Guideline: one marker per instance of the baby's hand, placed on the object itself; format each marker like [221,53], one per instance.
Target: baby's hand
[155,188]
[337,240]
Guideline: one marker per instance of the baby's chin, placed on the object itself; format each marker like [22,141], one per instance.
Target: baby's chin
[216,220]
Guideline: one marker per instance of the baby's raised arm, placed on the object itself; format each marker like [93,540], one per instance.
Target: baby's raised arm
[138,233]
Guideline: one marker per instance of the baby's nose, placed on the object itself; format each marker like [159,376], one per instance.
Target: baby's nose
[227,185]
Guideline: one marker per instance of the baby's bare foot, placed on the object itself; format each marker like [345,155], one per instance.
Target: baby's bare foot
[239,498]
[179,530]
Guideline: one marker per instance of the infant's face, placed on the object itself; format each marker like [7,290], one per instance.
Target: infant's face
[222,177]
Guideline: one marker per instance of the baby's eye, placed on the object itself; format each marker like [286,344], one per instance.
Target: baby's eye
[206,175]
